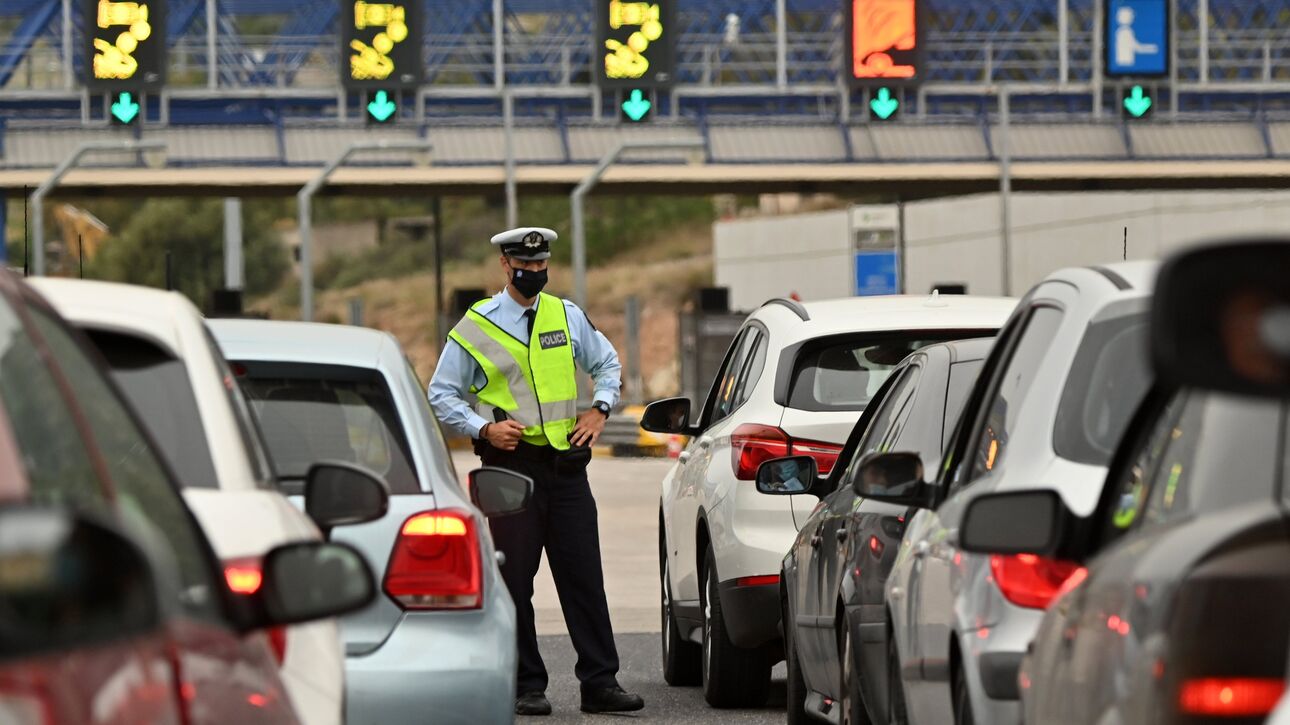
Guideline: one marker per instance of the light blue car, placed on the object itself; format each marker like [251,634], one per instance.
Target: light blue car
[439,642]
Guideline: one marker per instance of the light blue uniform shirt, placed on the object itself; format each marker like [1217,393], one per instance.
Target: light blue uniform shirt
[457,371]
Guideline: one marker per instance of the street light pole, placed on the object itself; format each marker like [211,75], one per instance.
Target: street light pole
[37,253]
[304,205]
[585,186]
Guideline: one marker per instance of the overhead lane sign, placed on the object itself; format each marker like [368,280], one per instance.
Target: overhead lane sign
[884,41]
[636,43]
[382,44]
[126,44]
[1137,38]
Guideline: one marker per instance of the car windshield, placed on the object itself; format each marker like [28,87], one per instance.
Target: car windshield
[1107,381]
[311,413]
[157,386]
[845,375]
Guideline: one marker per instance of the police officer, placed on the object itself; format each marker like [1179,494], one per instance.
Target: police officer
[516,351]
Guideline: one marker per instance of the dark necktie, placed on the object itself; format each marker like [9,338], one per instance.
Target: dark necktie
[530,316]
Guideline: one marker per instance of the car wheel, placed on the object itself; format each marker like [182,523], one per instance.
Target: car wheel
[962,700]
[681,657]
[853,710]
[732,676]
[796,684]
[896,712]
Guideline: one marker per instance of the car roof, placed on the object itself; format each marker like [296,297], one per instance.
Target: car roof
[312,342]
[890,312]
[155,313]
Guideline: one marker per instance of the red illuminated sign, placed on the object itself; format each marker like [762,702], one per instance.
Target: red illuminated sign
[884,38]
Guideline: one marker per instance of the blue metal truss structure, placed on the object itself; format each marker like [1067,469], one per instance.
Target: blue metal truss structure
[732,44]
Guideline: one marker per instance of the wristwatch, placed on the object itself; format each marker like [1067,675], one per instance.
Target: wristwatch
[602,406]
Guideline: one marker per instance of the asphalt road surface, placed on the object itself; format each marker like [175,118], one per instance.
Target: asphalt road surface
[627,496]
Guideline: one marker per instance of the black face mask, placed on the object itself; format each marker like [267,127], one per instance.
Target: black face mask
[528,283]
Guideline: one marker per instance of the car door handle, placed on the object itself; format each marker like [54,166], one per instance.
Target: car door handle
[705,442]
[685,456]
[815,541]
[921,549]
[842,535]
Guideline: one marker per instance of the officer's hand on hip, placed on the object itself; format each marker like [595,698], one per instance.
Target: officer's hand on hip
[587,431]
[504,435]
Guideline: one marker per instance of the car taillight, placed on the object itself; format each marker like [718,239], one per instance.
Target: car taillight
[436,562]
[752,444]
[757,581]
[1030,581]
[876,546]
[25,709]
[1230,696]
[243,575]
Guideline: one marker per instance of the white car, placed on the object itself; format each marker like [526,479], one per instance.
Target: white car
[171,371]
[794,382]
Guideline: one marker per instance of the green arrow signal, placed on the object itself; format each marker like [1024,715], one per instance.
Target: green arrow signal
[636,107]
[1137,103]
[382,107]
[125,109]
[884,106]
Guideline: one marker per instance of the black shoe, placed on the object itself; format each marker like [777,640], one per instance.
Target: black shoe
[610,699]
[532,703]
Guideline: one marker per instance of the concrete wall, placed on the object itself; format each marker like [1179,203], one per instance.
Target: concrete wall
[958,240]
[766,257]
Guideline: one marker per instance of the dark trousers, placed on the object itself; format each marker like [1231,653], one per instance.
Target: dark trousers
[561,517]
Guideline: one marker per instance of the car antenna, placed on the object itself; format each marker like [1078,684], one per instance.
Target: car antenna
[1126,244]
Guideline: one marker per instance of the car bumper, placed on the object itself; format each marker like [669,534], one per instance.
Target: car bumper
[451,667]
[751,613]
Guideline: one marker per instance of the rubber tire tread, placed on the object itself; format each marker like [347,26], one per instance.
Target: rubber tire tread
[683,661]
[851,685]
[736,677]
[796,699]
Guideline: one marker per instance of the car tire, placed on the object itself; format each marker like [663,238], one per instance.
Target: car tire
[853,708]
[732,676]
[962,699]
[682,659]
[896,711]
[796,698]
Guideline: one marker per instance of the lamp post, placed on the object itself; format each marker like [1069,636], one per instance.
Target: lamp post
[585,186]
[304,199]
[38,196]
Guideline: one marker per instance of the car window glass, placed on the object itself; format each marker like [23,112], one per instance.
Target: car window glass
[440,456]
[889,440]
[883,418]
[157,386]
[247,427]
[962,376]
[1130,487]
[147,496]
[752,371]
[59,468]
[1010,388]
[1221,452]
[1106,383]
[725,403]
[312,413]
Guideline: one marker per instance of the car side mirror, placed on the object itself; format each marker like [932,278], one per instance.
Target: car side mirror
[341,494]
[70,580]
[895,478]
[313,580]
[499,492]
[1220,318]
[787,476]
[667,416]
[1015,522]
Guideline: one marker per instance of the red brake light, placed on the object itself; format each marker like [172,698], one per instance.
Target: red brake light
[753,444]
[1030,581]
[1230,696]
[436,562]
[757,581]
[243,575]
[876,546]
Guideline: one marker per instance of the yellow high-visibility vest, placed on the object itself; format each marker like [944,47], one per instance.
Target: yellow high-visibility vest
[534,381]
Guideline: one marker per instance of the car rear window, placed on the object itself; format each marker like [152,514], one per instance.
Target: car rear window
[1107,382]
[157,386]
[311,413]
[844,375]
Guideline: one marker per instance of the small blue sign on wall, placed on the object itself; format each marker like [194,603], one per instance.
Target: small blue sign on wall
[876,273]
[1137,37]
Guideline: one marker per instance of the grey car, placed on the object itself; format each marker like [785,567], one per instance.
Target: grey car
[441,636]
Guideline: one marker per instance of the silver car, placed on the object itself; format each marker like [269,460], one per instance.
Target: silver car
[441,637]
[1049,408]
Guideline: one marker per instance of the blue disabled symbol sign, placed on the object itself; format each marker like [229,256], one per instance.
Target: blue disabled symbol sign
[1137,37]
